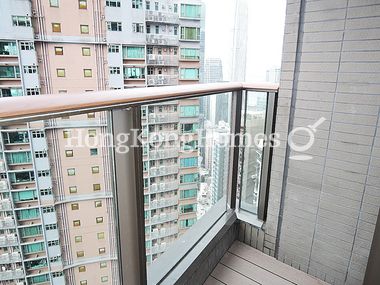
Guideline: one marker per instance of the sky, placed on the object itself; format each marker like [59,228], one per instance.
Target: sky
[266,19]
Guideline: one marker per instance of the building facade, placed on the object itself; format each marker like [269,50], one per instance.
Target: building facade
[57,211]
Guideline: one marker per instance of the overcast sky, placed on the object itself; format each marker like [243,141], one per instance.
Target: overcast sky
[265,34]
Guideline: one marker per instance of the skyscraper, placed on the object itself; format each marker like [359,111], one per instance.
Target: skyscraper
[56,211]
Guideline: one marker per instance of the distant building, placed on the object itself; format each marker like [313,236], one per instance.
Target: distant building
[273,75]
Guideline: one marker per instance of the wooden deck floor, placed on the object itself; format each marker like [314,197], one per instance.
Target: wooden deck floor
[243,264]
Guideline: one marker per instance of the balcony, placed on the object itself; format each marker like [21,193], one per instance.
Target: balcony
[156,118]
[163,153]
[162,203]
[162,60]
[7,258]
[162,40]
[8,240]
[163,170]
[227,241]
[161,17]
[7,222]
[163,187]
[11,274]
[5,205]
[156,80]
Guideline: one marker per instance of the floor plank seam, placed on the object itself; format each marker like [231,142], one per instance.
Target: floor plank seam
[241,274]
[264,268]
[218,279]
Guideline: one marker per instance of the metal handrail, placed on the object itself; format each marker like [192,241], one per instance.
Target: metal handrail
[30,108]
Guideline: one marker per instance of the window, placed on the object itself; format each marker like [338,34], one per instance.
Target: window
[38,134]
[189,73]
[87,72]
[98,204]
[134,72]
[83,282]
[86,51]
[138,27]
[190,33]
[56,27]
[32,91]
[78,239]
[53,242]
[66,134]
[57,274]
[45,192]
[189,162]
[93,151]
[96,187]
[103,264]
[74,206]
[156,6]
[30,69]
[51,227]
[73,189]
[99,220]
[113,49]
[8,48]
[9,72]
[91,115]
[191,208]
[43,173]
[137,4]
[40,154]
[27,45]
[189,178]
[104,279]
[58,50]
[190,11]
[76,223]
[157,29]
[189,193]
[69,153]
[187,223]
[95,169]
[189,128]
[71,171]
[80,253]
[147,5]
[100,235]
[148,29]
[175,31]
[114,26]
[82,4]
[48,210]
[54,3]
[102,250]
[21,21]
[133,52]
[82,269]
[113,3]
[175,8]
[92,133]
[190,53]
[114,70]
[61,72]
[189,111]
[84,29]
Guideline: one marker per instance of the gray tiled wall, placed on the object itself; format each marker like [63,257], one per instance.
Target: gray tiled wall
[322,212]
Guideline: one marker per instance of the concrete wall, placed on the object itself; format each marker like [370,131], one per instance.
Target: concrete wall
[322,212]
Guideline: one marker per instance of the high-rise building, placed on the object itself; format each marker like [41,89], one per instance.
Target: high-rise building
[56,200]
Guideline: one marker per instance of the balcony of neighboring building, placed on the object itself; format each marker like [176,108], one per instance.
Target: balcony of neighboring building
[11,274]
[162,39]
[161,17]
[162,60]
[162,79]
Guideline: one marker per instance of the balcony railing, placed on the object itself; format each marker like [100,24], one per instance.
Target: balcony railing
[156,80]
[163,153]
[162,118]
[203,220]
[161,17]
[162,60]
[8,240]
[162,40]
[11,274]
